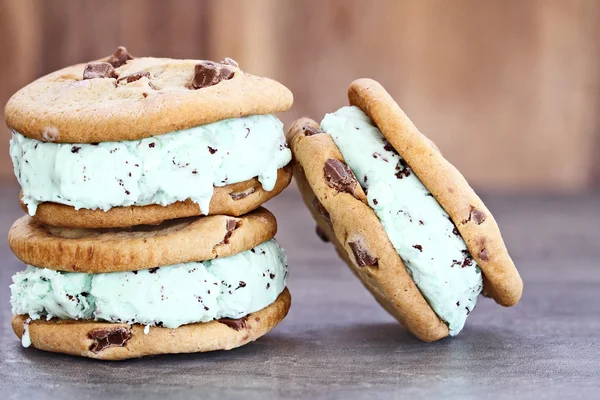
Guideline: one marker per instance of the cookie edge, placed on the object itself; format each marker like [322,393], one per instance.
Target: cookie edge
[193,338]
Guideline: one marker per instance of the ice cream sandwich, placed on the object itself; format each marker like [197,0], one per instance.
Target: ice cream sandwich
[188,285]
[124,141]
[402,216]
[143,180]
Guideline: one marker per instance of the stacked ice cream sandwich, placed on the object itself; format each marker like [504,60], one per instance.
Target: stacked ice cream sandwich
[143,180]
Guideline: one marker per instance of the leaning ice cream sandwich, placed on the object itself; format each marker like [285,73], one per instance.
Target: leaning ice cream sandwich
[125,141]
[402,217]
[189,285]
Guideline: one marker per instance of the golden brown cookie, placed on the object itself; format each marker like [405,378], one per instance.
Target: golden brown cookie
[339,206]
[474,221]
[235,199]
[139,247]
[127,98]
[112,341]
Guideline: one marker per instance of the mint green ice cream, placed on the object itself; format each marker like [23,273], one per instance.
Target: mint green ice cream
[171,296]
[418,227]
[162,169]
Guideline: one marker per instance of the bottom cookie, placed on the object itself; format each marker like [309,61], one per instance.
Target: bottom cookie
[113,341]
[235,199]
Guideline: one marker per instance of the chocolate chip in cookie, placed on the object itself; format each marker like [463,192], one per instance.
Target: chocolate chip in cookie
[477,216]
[230,226]
[320,209]
[110,337]
[339,176]
[361,254]
[243,193]
[208,73]
[235,324]
[119,57]
[96,70]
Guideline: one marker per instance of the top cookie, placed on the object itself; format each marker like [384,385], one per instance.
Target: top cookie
[471,217]
[125,98]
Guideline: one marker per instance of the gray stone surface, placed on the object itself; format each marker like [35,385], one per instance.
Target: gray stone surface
[338,343]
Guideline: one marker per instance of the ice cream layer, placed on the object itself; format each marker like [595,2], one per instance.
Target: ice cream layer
[418,227]
[229,287]
[163,169]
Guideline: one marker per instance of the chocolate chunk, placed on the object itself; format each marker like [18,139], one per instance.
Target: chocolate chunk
[225,74]
[361,254]
[134,77]
[378,155]
[209,73]
[153,270]
[109,337]
[229,61]
[339,176]
[403,169]
[99,70]
[321,234]
[211,150]
[241,285]
[235,324]
[75,149]
[418,247]
[390,148]
[231,225]
[309,130]
[483,255]
[477,216]
[455,231]
[320,209]
[119,57]
[242,194]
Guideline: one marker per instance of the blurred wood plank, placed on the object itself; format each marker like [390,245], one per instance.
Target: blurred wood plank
[509,90]
[19,64]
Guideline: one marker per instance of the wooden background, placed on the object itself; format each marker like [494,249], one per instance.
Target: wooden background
[509,90]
